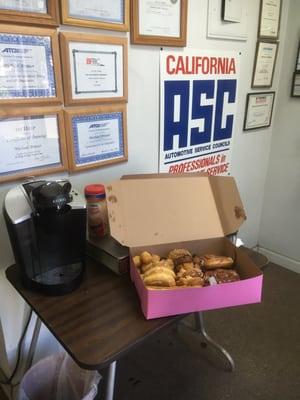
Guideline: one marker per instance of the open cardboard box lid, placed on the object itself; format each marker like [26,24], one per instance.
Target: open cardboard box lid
[156,209]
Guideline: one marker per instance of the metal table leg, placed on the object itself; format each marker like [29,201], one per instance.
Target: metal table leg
[200,328]
[107,383]
[33,344]
[109,395]
[191,330]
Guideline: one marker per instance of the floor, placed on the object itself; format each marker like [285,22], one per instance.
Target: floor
[2,395]
[263,339]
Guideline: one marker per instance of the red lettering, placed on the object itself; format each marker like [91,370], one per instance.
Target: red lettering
[231,68]
[170,70]
[213,65]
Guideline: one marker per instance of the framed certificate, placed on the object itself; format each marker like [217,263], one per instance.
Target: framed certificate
[264,64]
[269,19]
[159,22]
[259,108]
[30,66]
[102,14]
[94,68]
[33,12]
[96,136]
[32,142]
[296,85]
[232,10]
[298,59]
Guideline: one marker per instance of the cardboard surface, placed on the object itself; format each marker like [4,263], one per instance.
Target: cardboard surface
[158,213]
[153,210]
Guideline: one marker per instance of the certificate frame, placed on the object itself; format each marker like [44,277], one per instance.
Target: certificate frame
[261,35]
[36,112]
[257,61]
[118,49]
[13,38]
[93,22]
[296,82]
[297,67]
[138,38]
[95,115]
[249,109]
[50,18]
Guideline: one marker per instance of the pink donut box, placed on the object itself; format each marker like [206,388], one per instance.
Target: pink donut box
[199,224]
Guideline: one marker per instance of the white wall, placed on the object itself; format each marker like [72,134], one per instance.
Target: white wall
[280,224]
[250,150]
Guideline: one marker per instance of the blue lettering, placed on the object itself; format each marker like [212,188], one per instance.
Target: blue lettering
[224,86]
[180,127]
[202,112]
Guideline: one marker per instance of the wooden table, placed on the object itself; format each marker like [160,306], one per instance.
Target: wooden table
[96,323]
[101,320]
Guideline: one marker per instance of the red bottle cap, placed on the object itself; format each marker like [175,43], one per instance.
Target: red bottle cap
[94,189]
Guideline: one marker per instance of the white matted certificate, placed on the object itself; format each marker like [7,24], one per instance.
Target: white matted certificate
[159,18]
[259,109]
[269,19]
[35,6]
[111,11]
[298,59]
[26,67]
[96,72]
[159,22]
[95,68]
[264,65]
[27,143]
[296,85]
[96,136]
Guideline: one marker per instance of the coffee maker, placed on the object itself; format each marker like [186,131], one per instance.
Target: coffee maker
[46,222]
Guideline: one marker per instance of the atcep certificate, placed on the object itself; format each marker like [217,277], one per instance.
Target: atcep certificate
[259,110]
[159,18]
[26,67]
[98,137]
[36,6]
[270,15]
[111,11]
[96,70]
[265,62]
[28,142]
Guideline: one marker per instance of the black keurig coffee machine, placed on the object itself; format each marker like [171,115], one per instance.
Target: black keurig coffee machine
[46,222]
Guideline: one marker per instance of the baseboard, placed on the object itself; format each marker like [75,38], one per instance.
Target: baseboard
[280,259]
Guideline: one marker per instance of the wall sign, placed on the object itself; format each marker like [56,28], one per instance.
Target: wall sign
[198,106]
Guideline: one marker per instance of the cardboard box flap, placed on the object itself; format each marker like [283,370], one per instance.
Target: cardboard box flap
[155,211]
[229,203]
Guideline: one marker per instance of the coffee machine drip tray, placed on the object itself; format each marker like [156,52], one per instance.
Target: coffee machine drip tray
[59,280]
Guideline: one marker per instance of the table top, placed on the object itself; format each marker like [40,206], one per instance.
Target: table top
[102,319]
[96,323]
